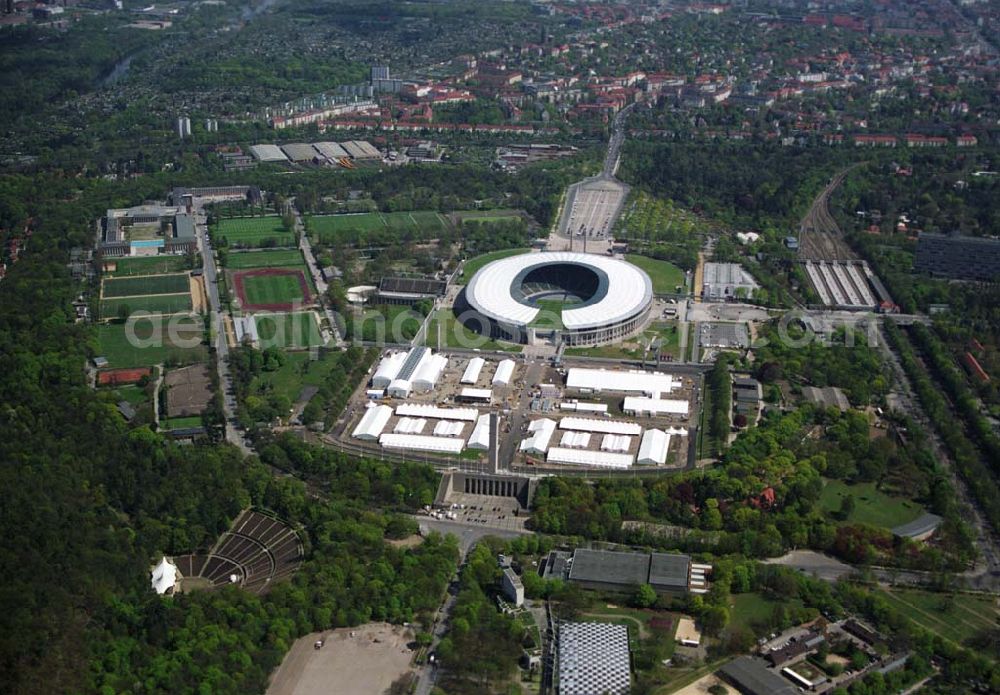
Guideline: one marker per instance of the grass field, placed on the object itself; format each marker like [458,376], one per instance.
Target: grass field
[550,313]
[665,275]
[147,284]
[454,334]
[183,347]
[180,423]
[265,259]
[153,303]
[329,228]
[487,215]
[135,395]
[748,609]
[473,265]
[148,265]
[667,332]
[272,289]
[298,370]
[297,330]
[253,231]
[956,617]
[870,505]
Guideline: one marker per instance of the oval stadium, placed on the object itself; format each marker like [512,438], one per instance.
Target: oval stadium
[576,299]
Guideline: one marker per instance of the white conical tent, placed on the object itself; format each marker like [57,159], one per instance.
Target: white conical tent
[164,576]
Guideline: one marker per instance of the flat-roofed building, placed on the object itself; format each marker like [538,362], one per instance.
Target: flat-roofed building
[727,281]
[751,676]
[268,153]
[607,570]
[593,659]
[409,291]
[512,587]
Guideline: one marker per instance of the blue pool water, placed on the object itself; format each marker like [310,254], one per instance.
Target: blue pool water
[151,243]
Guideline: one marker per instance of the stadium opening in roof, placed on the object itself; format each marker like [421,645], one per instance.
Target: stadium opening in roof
[558,297]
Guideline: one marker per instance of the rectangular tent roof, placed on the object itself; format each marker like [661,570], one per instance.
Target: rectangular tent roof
[603,426]
[504,373]
[476,394]
[621,381]
[410,425]
[437,413]
[472,370]
[575,439]
[372,422]
[653,448]
[542,431]
[616,442]
[480,437]
[585,457]
[448,428]
[447,445]
[655,406]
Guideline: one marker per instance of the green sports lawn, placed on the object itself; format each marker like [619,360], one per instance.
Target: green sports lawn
[253,231]
[295,330]
[272,289]
[473,265]
[956,617]
[665,275]
[176,339]
[871,506]
[148,265]
[153,303]
[329,228]
[146,284]
[265,259]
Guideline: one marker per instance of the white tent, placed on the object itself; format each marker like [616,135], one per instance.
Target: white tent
[410,425]
[447,445]
[164,576]
[505,372]
[616,442]
[372,422]
[654,406]
[577,440]
[480,437]
[634,381]
[430,371]
[437,413]
[603,426]
[542,431]
[449,428]
[585,457]
[653,448]
[471,374]
[387,370]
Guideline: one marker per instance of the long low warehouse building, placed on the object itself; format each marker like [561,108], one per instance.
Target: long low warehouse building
[585,457]
[652,407]
[633,381]
[584,424]
[417,442]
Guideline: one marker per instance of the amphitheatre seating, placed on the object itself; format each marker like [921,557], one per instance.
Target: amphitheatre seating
[255,551]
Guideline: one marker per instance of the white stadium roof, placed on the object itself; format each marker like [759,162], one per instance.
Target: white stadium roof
[631,381]
[373,422]
[585,457]
[625,290]
[604,426]
[447,445]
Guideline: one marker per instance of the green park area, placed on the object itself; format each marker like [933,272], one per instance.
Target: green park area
[956,617]
[278,258]
[161,339]
[298,369]
[473,265]
[487,215]
[754,610]
[254,231]
[337,228]
[456,335]
[666,276]
[181,423]
[871,506]
[148,265]
[293,330]
[638,347]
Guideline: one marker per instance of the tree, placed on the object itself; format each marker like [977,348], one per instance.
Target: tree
[847,505]
[644,597]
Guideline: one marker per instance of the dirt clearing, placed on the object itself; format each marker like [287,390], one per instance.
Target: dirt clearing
[364,664]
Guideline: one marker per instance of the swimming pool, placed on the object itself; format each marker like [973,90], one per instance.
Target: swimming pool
[147,243]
